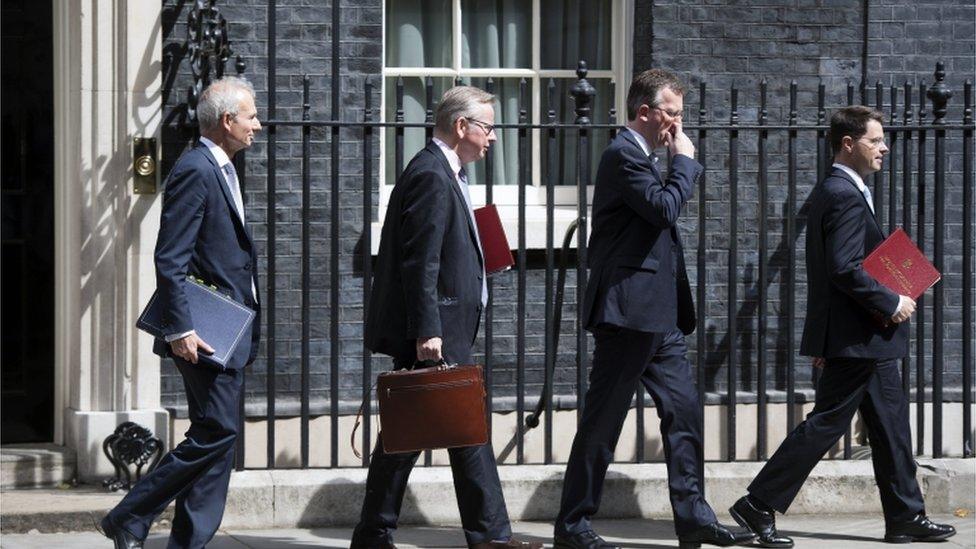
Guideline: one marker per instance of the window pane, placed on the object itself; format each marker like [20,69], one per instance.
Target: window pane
[574,30]
[414,110]
[496,33]
[566,140]
[506,149]
[418,33]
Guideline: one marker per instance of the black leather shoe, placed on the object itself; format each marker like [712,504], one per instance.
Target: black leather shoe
[583,540]
[714,534]
[120,536]
[919,528]
[759,522]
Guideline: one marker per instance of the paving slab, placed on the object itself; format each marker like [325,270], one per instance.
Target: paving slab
[815,532]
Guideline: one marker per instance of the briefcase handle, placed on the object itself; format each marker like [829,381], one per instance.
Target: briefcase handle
[437,364]
[418,364]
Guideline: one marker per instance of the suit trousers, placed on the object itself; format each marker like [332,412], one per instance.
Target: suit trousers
[623,358]
[476,485]
[197,471]
[847,385]
[477,488]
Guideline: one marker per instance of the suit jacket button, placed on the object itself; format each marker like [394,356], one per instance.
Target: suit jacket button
[247,266]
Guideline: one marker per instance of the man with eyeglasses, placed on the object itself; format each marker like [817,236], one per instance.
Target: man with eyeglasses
[639,308]
[856,330]
[428,295]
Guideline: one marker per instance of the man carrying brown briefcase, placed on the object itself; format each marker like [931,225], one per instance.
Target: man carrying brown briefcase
[428,294]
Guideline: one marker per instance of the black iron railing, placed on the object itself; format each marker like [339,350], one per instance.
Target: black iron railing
[914,143]
[908,134]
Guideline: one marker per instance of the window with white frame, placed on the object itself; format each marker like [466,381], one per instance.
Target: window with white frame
[507,40]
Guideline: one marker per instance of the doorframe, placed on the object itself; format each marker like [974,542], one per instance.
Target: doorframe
[67,214]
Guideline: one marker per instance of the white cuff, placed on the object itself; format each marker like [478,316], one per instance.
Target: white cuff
[174,337]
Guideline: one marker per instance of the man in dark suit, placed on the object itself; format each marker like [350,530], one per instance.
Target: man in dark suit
[639,308]
[202,232]
[856,330]
[428,295]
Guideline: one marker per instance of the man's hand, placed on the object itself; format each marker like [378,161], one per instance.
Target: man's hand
[187,347]
[906,307]
[680,143]
[429,348]
[819,362]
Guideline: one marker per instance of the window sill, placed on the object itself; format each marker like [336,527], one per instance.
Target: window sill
[535,225]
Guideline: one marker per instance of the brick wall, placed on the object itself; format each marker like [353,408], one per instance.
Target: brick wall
[807,41]
[720,41]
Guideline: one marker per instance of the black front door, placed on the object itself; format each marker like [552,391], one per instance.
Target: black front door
[27,231]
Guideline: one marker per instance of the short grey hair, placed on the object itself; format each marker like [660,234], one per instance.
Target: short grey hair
[221,96]
[460,102]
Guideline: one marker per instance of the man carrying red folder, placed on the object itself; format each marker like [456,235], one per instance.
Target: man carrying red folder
[428,295]
[859,354]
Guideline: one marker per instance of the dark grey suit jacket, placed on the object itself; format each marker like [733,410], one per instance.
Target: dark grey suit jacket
[200,233]
[638,278]
[844,303]
[429,268]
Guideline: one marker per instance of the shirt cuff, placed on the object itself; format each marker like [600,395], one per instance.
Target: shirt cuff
[174,337]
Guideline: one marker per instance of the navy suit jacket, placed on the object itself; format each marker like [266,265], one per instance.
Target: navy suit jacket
[843,301]
[429,268]
[638,278]
[201,234]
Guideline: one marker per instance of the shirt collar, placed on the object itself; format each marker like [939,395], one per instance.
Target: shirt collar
[452,157]
[640,141]
[857,178]
[219,155]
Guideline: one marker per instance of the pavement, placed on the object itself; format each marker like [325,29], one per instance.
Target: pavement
[813,531]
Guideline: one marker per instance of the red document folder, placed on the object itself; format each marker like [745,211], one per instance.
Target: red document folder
[494,244]
[900,266]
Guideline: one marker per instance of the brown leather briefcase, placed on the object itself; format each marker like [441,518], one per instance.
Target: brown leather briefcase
[428,408]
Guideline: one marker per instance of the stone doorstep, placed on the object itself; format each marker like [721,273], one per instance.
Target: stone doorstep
[34,465]
[332,497]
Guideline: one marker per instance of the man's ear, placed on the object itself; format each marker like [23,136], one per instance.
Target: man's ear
[643,112]
[225,120]
[460,126]
[847,143]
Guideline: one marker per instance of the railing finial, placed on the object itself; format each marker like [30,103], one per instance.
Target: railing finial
[939,94]
[582,92]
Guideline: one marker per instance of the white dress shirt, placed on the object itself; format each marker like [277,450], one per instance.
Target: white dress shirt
[641,141]
[858,182]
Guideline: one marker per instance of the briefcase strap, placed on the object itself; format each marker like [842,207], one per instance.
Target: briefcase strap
[359,417]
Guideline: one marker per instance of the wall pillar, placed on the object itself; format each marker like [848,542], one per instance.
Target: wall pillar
[107,91]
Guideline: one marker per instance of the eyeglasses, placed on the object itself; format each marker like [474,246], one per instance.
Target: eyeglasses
[671,114]
[875,143]
[488,128]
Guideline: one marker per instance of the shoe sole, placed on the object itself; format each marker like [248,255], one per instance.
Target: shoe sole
[923,539]
[756,542]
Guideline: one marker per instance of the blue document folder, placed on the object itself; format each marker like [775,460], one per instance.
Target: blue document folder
[217,319]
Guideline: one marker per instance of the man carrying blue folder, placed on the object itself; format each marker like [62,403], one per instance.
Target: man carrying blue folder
[202,232]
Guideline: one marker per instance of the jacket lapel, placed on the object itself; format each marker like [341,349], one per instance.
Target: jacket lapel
[841,173]
[446,166]
[219,174]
